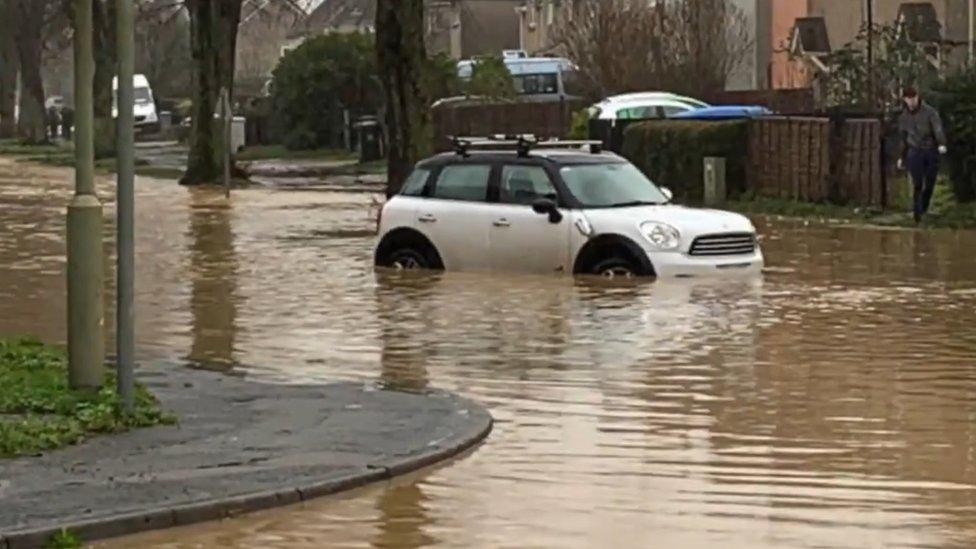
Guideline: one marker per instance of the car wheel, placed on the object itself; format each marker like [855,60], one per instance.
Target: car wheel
[615,267]
[408,259]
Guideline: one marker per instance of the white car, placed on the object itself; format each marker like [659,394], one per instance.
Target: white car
[144,107]
[634,106]
[546,209]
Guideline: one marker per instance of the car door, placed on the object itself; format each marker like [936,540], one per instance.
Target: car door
[521,239]
[456,215]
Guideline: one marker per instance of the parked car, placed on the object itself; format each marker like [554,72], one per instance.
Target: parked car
[725,112]
[544,208]
[535,78]
[144,108]
[634,106]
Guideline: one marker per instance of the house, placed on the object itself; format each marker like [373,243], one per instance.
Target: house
[458,28]
[539,22]
[784,30]
[264,28]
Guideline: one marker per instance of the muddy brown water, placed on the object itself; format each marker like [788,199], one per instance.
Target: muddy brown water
[830,403]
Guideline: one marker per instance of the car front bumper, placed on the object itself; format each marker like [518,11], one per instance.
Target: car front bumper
[680,265]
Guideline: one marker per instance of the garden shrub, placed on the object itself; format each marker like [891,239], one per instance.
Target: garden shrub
[955,97]
[671,153]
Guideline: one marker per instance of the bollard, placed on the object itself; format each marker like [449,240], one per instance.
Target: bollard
[714,181]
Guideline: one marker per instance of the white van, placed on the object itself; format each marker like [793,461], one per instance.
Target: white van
[535,78]
[144,108]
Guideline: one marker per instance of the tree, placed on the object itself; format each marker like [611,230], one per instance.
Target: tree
[633,45]
[955,97]
[29,21]
[402,61]
[316,82]
[213,44]
[491,78]
[898,61]
[103,28]
[163,47]
[9,67]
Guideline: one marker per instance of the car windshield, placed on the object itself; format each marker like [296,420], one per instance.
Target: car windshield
[611,185]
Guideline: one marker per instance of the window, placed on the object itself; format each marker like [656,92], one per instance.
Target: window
[525,185]
[637,113]
[533,84]
[414,185]
[610,185]
[463,182]
[671,111]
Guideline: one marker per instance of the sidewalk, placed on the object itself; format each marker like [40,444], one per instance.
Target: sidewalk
[239,446]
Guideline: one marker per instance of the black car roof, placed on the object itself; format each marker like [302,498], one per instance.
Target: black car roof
[557,156]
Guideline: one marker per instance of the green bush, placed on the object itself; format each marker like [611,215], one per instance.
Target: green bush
[671,153]
[580,126]
[955,97]
[491,78]
[315,82]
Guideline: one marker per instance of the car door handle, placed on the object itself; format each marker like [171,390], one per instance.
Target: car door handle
[502,223]
[427,218]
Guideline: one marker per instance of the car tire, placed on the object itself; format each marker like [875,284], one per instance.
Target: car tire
[615,267]
[407,259]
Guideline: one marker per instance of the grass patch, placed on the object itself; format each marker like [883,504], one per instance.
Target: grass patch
[276,152]
[944,212]
[65,539]
[38,411]
[16,147]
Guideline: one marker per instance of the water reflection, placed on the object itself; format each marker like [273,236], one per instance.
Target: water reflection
[214,299]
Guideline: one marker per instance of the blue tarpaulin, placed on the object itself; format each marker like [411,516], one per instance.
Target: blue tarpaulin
[727,112]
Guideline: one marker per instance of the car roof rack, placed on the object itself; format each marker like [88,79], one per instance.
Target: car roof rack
[523,143]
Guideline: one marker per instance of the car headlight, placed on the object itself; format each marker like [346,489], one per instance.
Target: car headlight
[662,236]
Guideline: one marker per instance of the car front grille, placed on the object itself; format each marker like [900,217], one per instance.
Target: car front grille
[724,244]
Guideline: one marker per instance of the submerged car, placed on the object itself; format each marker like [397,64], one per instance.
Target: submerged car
[546,208]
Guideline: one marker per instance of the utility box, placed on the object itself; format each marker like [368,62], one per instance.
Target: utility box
[714,181]
[237,133]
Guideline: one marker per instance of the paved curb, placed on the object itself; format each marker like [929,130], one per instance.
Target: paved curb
[182,515]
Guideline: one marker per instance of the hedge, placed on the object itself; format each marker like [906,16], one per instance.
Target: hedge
[671,153]
[955,97]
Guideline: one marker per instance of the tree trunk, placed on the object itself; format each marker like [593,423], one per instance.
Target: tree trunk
[103,25]
[402,60]
[213,42]
[30,22]
[9,67]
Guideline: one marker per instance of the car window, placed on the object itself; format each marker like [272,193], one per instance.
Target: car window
[637,113]
[525,185]
[463,182]
[671,111]
[532,84]
[414,185]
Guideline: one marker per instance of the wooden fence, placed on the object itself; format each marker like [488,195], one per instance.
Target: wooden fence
[541,119]
[817,160]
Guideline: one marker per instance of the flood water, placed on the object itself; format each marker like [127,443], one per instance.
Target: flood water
[831,403]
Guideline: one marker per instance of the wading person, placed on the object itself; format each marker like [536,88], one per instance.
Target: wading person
[923,140]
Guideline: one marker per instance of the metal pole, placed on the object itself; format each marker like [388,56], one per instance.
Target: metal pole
[227,116]
[870,54]
[972,32]
[124,314]
[86,339]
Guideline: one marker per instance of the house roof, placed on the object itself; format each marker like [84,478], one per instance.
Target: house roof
[921,22]
[334,14]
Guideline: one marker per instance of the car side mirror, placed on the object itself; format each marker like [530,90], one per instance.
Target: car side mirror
[667,193]
[544,206]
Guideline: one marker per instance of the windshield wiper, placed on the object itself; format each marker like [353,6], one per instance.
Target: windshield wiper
[634,203]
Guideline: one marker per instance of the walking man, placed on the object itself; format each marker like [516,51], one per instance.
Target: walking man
[923,140]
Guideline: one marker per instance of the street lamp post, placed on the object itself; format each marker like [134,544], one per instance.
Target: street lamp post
[86,339]
[124,314]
